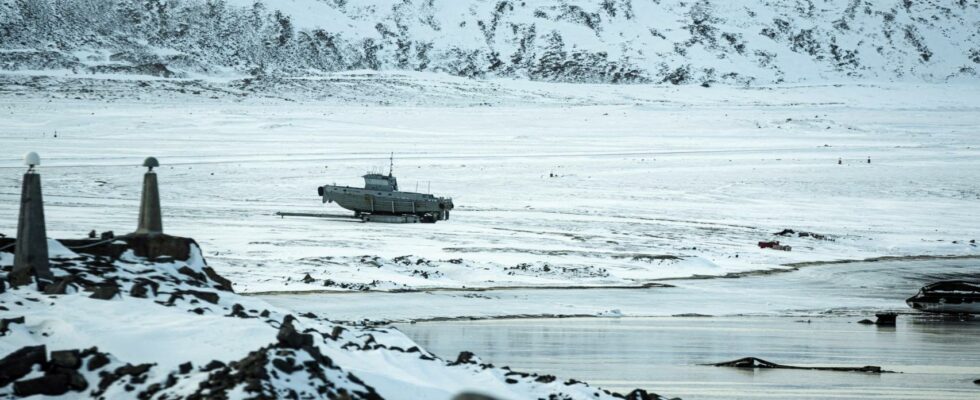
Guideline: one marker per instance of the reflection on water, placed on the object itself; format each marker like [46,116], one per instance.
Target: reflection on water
[807,317]
[938,359]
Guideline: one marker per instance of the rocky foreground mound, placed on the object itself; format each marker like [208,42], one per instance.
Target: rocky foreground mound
[118,325]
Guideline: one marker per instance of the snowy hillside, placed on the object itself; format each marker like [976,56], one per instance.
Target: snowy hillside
[615,41]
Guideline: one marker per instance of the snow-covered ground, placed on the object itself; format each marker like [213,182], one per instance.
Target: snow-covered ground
[173,330]
[647,174]
[852,290]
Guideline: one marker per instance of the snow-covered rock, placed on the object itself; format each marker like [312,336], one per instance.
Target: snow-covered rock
[172,328]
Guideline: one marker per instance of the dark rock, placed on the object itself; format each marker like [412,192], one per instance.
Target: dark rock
[66,358]
[137,374]
[308,315]
[76,381]
[866,322]
[3,286]
[287,365]
[464,357]
[192,273]
[754,362]
[105,292]
[59,287]
[335,333]
[209,297]
[185,368]
[264,314]
[151,283]
[288,336]
[886,319]
[97,361]
[238,311]
[308,279]
[213,365]
[640,394]
[138,290]
[223,284]
[49,384]
[198,311]
[6,322]
[977,382]
[19,363]
[511,381]
[472,396]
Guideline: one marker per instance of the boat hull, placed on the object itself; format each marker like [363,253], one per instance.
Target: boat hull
[948,297]
[364,201]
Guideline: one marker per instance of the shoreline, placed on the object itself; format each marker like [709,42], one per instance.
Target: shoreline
[654,283]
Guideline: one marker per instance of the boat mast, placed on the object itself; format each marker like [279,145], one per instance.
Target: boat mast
[391,166]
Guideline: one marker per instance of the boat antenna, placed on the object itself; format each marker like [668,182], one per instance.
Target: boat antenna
[391,167]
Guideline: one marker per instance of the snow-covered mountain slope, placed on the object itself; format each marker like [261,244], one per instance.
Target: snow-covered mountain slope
[675,41]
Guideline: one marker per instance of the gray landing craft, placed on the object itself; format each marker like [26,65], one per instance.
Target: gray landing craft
[380,200]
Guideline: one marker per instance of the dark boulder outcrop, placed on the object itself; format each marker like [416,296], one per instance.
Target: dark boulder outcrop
[464,357]
[66,359]
[288,336]
[6,322]
[106,291]
[19,363]
[60,286]
[222,282]
[49,384]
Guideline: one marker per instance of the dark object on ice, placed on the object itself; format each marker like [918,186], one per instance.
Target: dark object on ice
[752,362]
[949,297]
[814,235]
[774,245]
[885,319]
[185,368]
[840,161]
[977,382]
[381,197]
[866,322]
[92,234]
[20,363]
[790,232]
[107,235]
[308,279]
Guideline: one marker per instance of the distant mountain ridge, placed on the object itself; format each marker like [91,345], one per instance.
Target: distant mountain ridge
[601,41]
